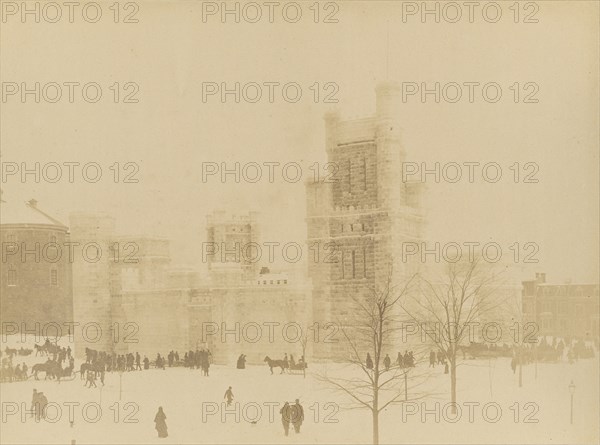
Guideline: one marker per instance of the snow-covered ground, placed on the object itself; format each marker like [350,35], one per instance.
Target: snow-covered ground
[193,405]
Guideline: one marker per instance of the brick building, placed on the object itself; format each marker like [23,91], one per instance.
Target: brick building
[36,273]
[562,309]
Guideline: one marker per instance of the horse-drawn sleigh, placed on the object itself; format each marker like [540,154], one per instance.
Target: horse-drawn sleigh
[287,366]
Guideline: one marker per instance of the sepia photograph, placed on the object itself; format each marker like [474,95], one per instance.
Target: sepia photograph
[305,222]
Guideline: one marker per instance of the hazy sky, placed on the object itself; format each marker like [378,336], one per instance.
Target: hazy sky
[171,131]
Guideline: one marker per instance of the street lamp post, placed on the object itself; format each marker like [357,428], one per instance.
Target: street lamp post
[572,391]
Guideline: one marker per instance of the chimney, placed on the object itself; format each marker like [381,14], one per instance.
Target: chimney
[32,202]
[540,277]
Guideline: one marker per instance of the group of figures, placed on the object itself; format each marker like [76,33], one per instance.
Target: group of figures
[439,359]
[540,350]
[402,361]
[290,414]
[96,364]
[197,359]
[570,349]
[11,373]
[53,367]
[38,405]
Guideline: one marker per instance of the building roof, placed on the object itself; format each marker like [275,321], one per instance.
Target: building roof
[547,289]
[25,213]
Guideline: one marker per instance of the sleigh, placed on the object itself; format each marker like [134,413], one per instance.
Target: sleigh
[298,368]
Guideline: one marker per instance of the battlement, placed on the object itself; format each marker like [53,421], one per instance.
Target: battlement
[354,131]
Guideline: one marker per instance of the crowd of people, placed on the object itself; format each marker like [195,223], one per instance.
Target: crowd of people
[402,361]
[98,362]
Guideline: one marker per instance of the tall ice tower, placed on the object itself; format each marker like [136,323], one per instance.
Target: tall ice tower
[360,219]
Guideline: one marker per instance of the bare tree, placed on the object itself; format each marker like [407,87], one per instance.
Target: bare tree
[448,308]
[371,384]
[304,343]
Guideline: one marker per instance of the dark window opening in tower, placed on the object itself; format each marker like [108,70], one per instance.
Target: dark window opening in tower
[364,166]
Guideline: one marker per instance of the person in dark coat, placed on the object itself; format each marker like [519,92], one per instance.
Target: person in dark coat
[369,361]
[161,424]
[241,362]
[399,360]
[40,406]
[513,364]
[91,379]
[432,359]
[387,362]
[286,416]
[146,363]
[35,406]
[297,416]
[229,396]
[409,359]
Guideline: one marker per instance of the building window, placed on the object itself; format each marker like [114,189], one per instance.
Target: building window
[10,238]
[264,281]
[12,277]
[278,281]
[343,266]
[271,281]
[54,277]
[365,173]
[364,263]
[53,239]
[284,281]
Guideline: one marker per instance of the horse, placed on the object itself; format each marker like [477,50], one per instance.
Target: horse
[85,367]
[51,368]
[11,352]
[275,364]
[39,350]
